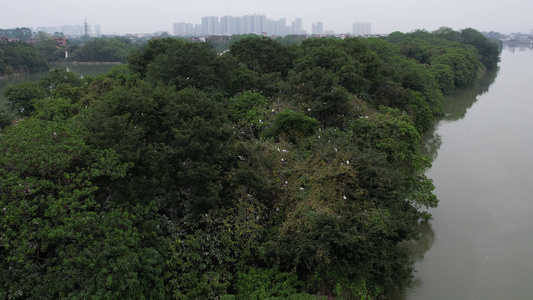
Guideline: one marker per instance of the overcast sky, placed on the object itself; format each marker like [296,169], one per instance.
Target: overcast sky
[148,16]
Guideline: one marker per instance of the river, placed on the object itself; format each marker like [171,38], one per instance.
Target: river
[479,244]
[79,69]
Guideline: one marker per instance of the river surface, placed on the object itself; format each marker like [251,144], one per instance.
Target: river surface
[79,69]
[479,244]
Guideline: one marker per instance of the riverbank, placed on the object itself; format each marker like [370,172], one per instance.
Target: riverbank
[81,69]
[64,63]
[12,75]
[92,63]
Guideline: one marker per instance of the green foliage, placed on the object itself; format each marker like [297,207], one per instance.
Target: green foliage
[58,77]
[103,50]
[248,110]
[346,211]
[262,55]
[54,109]
[464,65]
[19,58]
[292,126]
[488,51]
[330,55]
[176,140]
[20,96]
[21,33]
[48,48]
[6,117]
[444,76]
[266,284]
[59,236]
[204,256]
[180,63]
[447,33]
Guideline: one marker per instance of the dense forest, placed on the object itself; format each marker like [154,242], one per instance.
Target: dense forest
[20,58]
[268,172]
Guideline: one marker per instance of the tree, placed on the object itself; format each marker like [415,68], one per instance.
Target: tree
[447,33]
[20,97]
[61,237]
[6,117]
[103,50]
[21,33]
[344,212]
[58,77]
[489,52]
[262,55]
[20,58]
[292,126]
[180,63]
[48,48]
[463,63]
[177,142]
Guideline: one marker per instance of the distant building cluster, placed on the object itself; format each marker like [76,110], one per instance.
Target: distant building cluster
[71,30]
[229,25]
[318,28]
[258,24]
[361,29]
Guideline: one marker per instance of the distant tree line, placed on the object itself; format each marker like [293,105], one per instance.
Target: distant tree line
[16,58]
[23,34]
[267,172]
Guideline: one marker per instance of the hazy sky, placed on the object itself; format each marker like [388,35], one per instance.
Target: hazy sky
[148,16]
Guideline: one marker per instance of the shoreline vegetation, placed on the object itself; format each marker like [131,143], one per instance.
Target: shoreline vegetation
[269,171]
[69,63]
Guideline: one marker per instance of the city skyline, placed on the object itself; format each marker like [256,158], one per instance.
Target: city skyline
[220,25]
[138,16]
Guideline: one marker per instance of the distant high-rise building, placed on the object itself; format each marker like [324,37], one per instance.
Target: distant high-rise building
[72,30]
[235,24]
[198,29]
[49,30]
[318,28]
[361,28]
[281,27]
[182,29]
[259,24]
[296,26]
[226,25]
[97,30]
[229,25]
[210,25]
